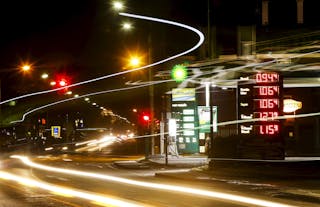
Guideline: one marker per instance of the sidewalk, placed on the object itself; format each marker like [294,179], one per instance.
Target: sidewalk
[160,161]
[291,167]
[180,161]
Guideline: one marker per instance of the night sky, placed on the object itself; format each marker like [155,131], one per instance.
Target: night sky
[83,38]
[80,38]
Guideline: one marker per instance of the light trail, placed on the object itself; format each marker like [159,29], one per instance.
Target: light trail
[66,192]
[237,122]
[98,144]
[166,187]
[78,97]
[201,40]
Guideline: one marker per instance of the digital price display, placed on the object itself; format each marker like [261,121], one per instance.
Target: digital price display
[259,105]
[267,129]
[266,91]
[267,103]
[267,77]
[266,115]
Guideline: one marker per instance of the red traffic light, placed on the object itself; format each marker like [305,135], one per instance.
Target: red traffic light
[146,117]
[61,80]
[62,83]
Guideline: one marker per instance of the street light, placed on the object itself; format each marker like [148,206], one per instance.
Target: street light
[134,61]
[118,5]
[26,67]
[44,76]
[126,26]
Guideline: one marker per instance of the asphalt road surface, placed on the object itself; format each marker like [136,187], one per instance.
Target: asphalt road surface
[86,190]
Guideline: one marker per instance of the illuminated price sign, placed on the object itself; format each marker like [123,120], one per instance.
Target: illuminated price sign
[267,101]
[266,90]
[266,115]
[267,78]
[268,129]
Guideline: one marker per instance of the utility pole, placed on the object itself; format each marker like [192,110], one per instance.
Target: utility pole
[209,28]
[151,94]
[0,98]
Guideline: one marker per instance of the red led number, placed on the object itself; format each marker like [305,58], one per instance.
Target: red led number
[268,90]
[267,77]
[267,115]
[269,129]
[268,103]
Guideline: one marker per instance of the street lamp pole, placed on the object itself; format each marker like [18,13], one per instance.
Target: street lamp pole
[209,27]
[0,96]
[151,95]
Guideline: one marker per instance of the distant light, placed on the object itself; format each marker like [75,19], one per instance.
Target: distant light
[12,103]
[134,110]
[44,76]
[224,88]
[48,148]
[94,104]
[126,26]
[135,61]
[76,95]
[117,5]
[69,93]
[87,99]
[64,148]
[26,67]
[146,117]
[53,83]
[62,83]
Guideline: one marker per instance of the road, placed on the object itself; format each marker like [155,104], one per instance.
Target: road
[113,189]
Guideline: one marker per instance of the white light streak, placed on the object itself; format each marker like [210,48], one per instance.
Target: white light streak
[82,96]
[201,39]
[172,188]
[67,192]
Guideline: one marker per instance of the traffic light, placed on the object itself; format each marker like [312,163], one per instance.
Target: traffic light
[146,118]
[61,80]
[42,121]
[179,73]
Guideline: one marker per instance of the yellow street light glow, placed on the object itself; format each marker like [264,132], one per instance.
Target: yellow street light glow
[53,83]
[158,186]
[126,26]
[87,99]
[117,5]
[44,76]
[26,67]
[69,93]
[134,61]
[76,95]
